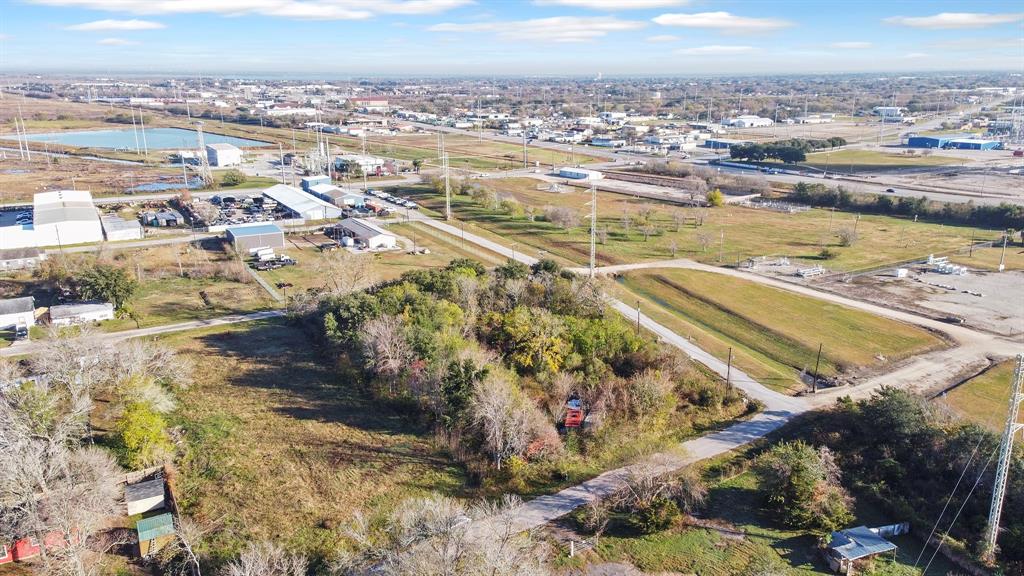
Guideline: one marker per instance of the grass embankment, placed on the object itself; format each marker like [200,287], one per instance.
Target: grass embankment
[853,160]
[989,258]
[747,232]
[774,333]
[985,398]
[280,445]
[748,540]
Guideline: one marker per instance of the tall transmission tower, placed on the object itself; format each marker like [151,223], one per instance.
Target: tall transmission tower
[204,161]
[593,228]
[1003,470]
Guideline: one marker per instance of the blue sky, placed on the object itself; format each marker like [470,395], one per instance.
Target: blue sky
[338,38]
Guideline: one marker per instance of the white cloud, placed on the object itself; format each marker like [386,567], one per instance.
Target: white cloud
[723,22]
[714,50]
[116,25]
[116,42]
[851,45]
[295,9]
[948,20]
[663,38]
[556,29]
[915,55]
[613,5]
[5,36]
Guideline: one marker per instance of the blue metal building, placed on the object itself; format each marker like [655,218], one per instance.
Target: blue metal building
[929,141]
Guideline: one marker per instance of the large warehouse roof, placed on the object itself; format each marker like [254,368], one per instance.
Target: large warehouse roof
[306,205]
[63,206]
[238,231]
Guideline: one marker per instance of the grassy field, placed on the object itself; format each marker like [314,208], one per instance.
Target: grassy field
[386,265]
[774,334]
[747,232]
[747,541]
[868,160]
[985,398]
[282,446]
[988,258]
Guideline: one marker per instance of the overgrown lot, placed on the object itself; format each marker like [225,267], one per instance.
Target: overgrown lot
[985,398]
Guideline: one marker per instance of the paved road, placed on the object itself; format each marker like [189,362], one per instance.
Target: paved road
[921,373]
[779,408]
[25,348]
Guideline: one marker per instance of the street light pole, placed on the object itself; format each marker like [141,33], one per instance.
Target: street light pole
[728,370]
[814,386]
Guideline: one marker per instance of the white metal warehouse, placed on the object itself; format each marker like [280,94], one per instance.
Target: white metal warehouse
[368,233]
[60,218]
[303,204]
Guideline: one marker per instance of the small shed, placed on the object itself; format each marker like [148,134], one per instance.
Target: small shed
[144,496]
[853,544]
[116,228]
[262,236]
[154,533]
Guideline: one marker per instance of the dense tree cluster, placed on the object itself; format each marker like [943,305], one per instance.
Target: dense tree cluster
[762,152]
[1010,216]
[492,357]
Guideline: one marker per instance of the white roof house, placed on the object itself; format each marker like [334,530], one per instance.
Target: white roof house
[15,312]
[368,233]
[80,313]
[305,205]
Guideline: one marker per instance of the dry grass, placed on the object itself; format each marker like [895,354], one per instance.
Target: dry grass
[985,398]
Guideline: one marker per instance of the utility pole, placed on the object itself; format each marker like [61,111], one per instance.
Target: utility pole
[728,370]
[721,247]
[817,364]
[1002,255]
[1003,470]
[593,228]
[637,317]
[525,159]
[972,244]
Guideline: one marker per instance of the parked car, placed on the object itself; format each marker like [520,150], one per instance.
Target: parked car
[890,190]
[21,333]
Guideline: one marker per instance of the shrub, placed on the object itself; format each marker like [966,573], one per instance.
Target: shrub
[716,198]
[141,436]
[655,516]
[233,178]
[827,254]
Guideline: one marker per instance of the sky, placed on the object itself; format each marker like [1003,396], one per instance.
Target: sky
[344,38]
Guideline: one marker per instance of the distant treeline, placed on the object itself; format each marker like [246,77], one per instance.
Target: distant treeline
[789,151]
[1009,216]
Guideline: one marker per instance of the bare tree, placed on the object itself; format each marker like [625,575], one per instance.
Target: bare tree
[346,272]
[440,536]
[673,247]
[678,218]
[205,211]
[502,416]
[562,217]
[180,557]
[704,240]
[266,559]
[648,230]
[386,348]
[847,236]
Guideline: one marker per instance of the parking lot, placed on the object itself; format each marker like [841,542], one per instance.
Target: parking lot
[12,217]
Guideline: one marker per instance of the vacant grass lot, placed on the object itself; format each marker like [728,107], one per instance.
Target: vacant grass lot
[852,160]
[281,446]
[775,334]
[985,398]
[748,542]
[988,258]
[747,232]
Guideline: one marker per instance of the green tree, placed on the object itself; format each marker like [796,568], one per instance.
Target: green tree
[141,436]
[107,283]
[716,198]
[417,163]
[457,389]
[802,486]
[232,178]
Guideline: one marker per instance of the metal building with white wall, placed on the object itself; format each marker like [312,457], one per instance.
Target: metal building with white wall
[223,154]
[60,218]
[302,204]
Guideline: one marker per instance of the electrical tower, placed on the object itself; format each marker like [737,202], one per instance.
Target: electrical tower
[204,161]
[1003,470]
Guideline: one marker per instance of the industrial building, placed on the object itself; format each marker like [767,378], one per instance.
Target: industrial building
[367,233]
[362,163]
[748,121]
[60,218]
[17,312]
[302,204]
[20,258]
[579,174]
[308,182]
[223,154]
[116,228]
[244,238]
[608,142]
[954,142]
[722,143]
[81,313]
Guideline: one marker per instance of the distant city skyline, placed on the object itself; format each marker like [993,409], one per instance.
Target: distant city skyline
[333,38]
